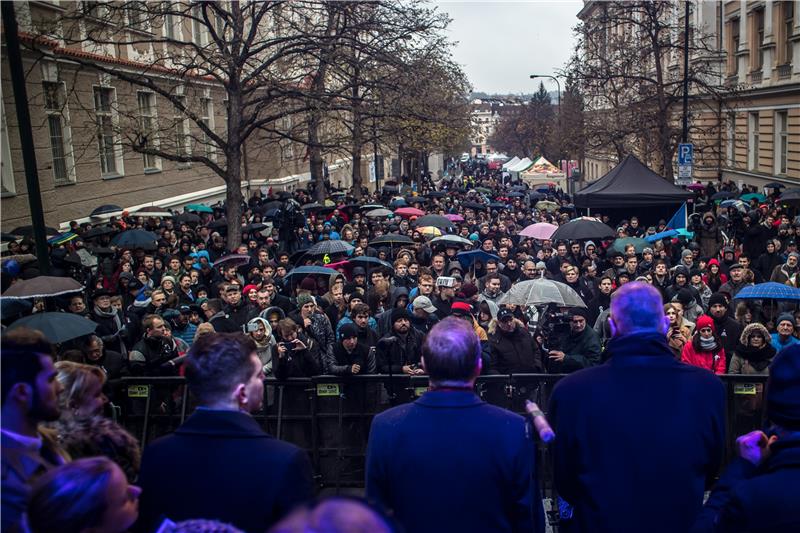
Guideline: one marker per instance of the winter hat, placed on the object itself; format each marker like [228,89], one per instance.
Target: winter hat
[680,269]
[454,265]
[783,389]
[248,288]
[308,284]
[695,272]
[684,297]
[744,338]
[717,298]
[399,313]
[461,308]
[304,298]
[126,275]
[686,253]
[468,290]
[348,331]
[705,321]
[168,278]
[785,316]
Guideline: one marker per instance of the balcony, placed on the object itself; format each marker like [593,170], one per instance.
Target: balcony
[784,71]
[755,77]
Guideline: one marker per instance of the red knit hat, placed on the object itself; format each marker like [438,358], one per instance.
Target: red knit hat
[705,321]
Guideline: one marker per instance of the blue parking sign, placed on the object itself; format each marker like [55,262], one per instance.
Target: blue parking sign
[685,153]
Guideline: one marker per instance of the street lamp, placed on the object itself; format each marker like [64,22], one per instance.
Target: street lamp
[560,120]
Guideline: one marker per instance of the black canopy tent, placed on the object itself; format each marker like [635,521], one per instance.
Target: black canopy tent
[630,185]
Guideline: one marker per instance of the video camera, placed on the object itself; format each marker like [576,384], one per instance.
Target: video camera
[551,325]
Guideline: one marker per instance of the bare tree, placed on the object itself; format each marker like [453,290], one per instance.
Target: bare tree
[528,129]
[629,68]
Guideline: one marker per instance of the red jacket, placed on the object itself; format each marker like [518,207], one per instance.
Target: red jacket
[708,360]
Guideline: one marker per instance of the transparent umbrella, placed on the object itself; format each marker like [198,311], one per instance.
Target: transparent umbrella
[540,292]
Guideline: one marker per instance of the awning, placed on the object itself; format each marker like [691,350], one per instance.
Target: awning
[511,163]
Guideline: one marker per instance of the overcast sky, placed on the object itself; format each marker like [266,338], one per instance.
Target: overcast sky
[501,43]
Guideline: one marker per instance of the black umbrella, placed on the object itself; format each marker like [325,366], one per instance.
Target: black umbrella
[27,231]
[416,199]
[792,196]
[7,237]
[274,204]
[330,247]
[391,239]
[774,185]
[57,327]
[220,223]
[232,260]
[436,194]
[583,228]
[437,221]
[312,207]
[99,231]
[135,238]
[254,227]
[724,195]
[187,218]
[106,209]
[371,207]
[367,261]
[43,286]
[498,205]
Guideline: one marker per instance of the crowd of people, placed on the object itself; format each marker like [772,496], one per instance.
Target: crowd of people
[353,288]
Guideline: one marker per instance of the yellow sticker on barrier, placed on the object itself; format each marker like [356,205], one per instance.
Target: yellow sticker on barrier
[138,391]
[327,389]
[745,388]
[419,391]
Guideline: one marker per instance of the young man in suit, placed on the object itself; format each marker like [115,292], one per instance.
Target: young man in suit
[220,464]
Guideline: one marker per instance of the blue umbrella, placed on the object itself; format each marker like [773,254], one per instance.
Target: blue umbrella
[468,258]
[398,202]
[768,291]
[663,235]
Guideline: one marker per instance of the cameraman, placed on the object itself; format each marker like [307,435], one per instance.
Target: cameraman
[155,353]
[581,348]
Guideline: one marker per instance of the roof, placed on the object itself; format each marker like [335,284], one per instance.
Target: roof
[630,183]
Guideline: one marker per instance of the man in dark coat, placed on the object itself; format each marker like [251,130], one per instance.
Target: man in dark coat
[110,323]
[758,491]
[728,329]
[581,348]
[449,461]
[399,350]
[513,349]
[638,436]
[220,465]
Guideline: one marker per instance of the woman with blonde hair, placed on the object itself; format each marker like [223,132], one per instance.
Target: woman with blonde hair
[82,430]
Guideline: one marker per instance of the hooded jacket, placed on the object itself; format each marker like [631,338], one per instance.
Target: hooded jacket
[708,236]
[750,360]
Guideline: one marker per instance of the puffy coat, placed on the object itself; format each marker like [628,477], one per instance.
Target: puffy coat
[749,360]
[714,361]
[515,352]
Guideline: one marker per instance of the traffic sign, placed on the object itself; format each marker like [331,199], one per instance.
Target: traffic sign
[685,162]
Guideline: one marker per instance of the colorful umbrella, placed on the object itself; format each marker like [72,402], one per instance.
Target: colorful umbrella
[454,218]
[540,230]
[696,187]
[409,212]
[768,291]
[429,231]
[753,196]
[198,208]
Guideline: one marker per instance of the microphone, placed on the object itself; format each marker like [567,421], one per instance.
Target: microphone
[544,430]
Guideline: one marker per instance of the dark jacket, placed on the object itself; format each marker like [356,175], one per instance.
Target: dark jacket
[392,356]
[341,361]
[515,352]
[637,437]
[582,351]
[298,363]
[220,465]
[764,498]
[729,330]
[476,462]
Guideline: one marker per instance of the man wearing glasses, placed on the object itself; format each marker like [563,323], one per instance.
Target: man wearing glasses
[581,349]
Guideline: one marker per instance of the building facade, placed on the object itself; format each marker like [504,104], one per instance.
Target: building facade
[85,122]
[749,132]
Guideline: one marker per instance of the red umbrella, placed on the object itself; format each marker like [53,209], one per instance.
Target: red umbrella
[409,212]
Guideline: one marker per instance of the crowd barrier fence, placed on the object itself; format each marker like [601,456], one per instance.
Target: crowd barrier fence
[329,416]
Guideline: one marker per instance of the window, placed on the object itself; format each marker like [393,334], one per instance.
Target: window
[136,15]
[757,54]
[788,28]
[147,122]
[7,185]
[169,26]
[110,160]
[752,141]
[730,145]
[198,35]
[781,141]
[181,132]
[207,118]
[54,104]
[733,62]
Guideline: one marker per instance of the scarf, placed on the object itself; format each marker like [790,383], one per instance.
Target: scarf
[117,324]
[708,345]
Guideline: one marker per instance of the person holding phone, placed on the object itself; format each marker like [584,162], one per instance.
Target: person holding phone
[295,355]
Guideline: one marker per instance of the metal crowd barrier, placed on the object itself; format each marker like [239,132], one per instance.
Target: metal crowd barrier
[329,416]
